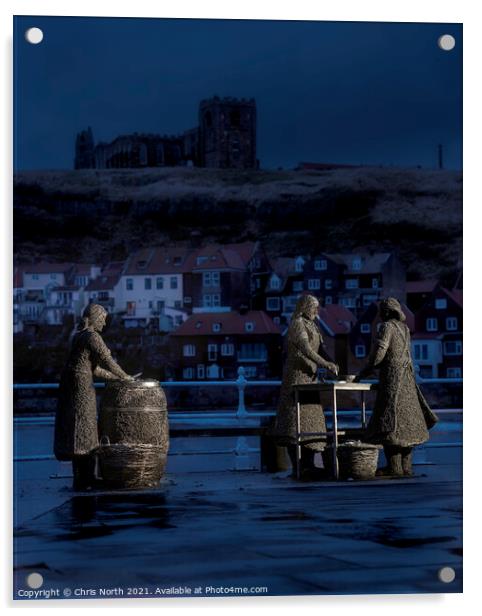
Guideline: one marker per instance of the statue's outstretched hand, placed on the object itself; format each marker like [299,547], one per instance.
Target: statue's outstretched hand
[333,368]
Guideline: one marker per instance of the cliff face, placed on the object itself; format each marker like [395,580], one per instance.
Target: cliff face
[101,215]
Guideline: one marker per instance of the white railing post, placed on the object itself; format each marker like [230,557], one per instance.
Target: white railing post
[241,383]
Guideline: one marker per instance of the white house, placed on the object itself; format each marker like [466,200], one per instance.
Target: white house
[151,283]
[427,353]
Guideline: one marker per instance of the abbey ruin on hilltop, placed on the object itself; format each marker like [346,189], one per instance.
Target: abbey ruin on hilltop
[225,138]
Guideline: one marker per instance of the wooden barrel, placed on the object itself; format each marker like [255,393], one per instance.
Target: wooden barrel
[133,434]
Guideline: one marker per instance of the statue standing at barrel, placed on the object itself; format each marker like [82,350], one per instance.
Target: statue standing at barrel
[76,434]
[303,345]
[401,417]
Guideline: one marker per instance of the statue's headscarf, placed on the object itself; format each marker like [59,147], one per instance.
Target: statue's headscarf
[390,308]
[91,317]
[304,303]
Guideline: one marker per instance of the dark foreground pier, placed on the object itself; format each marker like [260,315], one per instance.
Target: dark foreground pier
[219,533]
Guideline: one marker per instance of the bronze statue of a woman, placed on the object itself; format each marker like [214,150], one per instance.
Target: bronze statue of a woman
[401,417]
[303,345]
[76,433]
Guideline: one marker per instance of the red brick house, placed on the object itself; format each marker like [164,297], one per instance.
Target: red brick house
[213,345]
[225,277]
[437,341]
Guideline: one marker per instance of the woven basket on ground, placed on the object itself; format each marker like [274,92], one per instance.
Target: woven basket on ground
[357,460]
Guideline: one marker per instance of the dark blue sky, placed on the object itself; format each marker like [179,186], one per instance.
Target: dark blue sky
[371,93]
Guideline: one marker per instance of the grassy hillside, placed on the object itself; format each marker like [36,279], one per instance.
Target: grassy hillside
[101,215]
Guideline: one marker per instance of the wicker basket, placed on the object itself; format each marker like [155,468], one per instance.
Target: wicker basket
[125,465]
[357,460]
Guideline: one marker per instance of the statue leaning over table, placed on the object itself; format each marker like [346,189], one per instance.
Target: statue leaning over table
[76,433]
[303,344]
[401,417]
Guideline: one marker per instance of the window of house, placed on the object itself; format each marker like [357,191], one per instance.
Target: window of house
[200,371]
[328,300]
[274,282]
[297,286]
[360,350]
[351,283]
[189,350]
[250,372]
[356,264]
[227,349]
[349,302]
[129,284]
[34,276]
[454,373]
[212,372]
[201,260]
[249,326]
[451,323]
[150,304]
[313,283]
[216,327]
[160,282]
[211,300]
[178,320]
[299,264]
[453,347]
[211,279]
[368,299]
[432,325]
[272,303]
[212,352]
[177,304]
[147,284]
[441,303]
[188,373]
[177,260]
[375,283]
[321,264]
[188,299]
[328,283]
[420,351]
[276,320]
[160,305]
[173,282]
[365,328]
[253,352]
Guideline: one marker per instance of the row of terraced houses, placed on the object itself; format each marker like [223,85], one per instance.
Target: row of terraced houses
[225,306]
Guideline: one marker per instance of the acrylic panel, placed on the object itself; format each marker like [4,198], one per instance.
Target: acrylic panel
[237,308]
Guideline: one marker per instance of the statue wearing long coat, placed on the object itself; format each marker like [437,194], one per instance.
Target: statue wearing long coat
[302,346]
[401,416]
[76,418]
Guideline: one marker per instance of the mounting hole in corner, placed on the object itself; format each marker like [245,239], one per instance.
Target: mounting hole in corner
[35,580]
[446,575]
[446,42]
[34,36]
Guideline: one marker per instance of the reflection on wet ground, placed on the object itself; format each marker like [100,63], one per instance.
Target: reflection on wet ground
[252,529]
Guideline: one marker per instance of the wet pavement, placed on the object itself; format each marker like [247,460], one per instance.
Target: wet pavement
[243,532]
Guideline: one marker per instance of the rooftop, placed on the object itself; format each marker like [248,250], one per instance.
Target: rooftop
[228,323]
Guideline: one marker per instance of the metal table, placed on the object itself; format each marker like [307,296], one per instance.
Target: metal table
[331,387]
